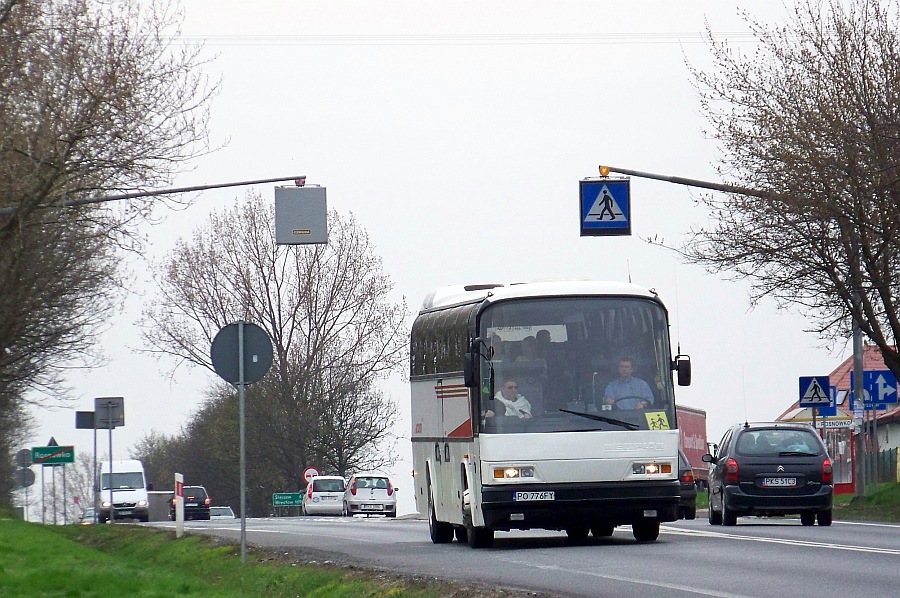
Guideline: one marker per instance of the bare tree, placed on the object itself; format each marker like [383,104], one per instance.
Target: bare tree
[94,98]
[327,310]
[811,123]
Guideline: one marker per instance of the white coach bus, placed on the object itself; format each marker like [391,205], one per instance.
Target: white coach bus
[544,405]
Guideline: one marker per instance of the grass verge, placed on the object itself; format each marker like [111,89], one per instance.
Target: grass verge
[126,560]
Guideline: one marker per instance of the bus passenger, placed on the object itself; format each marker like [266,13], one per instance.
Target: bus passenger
[516,405]
[627,391]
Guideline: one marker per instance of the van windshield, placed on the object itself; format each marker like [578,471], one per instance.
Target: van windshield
[128,480]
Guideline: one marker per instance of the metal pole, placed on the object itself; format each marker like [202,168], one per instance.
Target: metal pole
[65,498]
[300,180]
[43,492]
[112,505]
[241,425]
[53,473]
[859,481]
[94,475]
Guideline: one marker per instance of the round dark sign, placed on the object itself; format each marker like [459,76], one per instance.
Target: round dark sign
[24,478]
[226,348]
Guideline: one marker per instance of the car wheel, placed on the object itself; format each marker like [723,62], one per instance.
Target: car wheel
[824,517]
[460,534]
[808,518]
[392,514]
[602,531]
[645,530]
[577,535]
[440,532]
[729,517]
[690,513]
[714,518]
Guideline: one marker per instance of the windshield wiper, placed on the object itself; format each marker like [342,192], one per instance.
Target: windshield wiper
[796,454]
[600,418]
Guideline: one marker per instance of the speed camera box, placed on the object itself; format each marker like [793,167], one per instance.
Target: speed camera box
[301,215]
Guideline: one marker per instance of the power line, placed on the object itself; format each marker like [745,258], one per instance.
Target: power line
[467,39]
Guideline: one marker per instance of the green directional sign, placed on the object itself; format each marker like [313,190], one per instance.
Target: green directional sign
[287,499]
[52,455]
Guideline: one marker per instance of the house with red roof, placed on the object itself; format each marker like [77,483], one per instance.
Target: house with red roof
[880,429]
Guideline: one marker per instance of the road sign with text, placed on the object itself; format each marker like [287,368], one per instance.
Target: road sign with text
[286,499]
[52,455]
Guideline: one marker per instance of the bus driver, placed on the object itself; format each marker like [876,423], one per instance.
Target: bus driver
[516,404]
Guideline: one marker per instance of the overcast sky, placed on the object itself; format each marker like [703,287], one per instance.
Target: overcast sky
[457,134]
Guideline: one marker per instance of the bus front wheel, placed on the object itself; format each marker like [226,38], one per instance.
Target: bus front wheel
[441,533]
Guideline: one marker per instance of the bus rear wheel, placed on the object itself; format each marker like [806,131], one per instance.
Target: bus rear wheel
[645,530]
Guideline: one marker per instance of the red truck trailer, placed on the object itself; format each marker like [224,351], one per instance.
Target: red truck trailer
[692,440]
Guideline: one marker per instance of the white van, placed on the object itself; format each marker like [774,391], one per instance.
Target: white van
[128,487]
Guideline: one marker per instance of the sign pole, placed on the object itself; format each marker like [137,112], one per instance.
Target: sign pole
[43,492]
[94,476]
[112,505]
[241,426]
[53,474]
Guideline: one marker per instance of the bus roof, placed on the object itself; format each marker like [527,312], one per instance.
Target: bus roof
[452,295]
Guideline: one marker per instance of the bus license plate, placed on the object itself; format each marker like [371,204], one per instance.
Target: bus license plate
[526,496]
[781,482]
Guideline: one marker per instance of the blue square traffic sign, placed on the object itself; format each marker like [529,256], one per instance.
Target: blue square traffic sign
[605,207]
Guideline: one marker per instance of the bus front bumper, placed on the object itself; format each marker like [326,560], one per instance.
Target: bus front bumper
[578,505]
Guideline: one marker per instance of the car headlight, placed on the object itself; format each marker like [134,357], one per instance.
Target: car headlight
[512,473]
[142,503]
[105,503]
[650,468]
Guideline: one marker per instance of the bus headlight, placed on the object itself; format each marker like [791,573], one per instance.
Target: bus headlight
[650,468]
[512,473]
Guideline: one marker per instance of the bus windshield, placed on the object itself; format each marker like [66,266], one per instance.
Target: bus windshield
[571,364]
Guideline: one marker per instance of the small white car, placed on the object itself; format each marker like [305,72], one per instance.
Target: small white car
[221,513]
[370,494]
[323,495]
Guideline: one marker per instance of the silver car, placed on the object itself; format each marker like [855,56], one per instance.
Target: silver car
[323,496]
[370,494]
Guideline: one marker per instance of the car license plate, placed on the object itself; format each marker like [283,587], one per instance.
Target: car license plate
[370,507]
[329,498]
[124,512]
[779,482]
[190,504]
[526,496]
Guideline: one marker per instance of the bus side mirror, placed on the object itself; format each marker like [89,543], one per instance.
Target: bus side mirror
[470,363]
[469,377]
[682,366]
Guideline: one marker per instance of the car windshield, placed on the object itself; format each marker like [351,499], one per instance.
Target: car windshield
[778,442]
[328,485]
[122,481]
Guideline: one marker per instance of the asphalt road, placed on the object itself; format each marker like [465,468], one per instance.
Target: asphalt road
[761,558]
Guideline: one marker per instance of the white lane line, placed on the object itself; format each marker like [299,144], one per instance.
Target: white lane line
[806,543]
[644,582]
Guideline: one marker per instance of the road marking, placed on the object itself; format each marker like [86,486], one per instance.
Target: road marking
[643,582]
[829,545]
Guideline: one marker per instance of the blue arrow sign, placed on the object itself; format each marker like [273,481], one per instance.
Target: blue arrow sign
[879,388]
[605,207]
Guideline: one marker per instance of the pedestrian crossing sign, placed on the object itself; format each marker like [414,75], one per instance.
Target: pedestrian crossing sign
[814,391]
[605,207]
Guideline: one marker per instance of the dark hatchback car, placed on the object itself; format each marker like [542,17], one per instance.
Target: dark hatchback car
[196,504]
[770,469]
[687,504]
